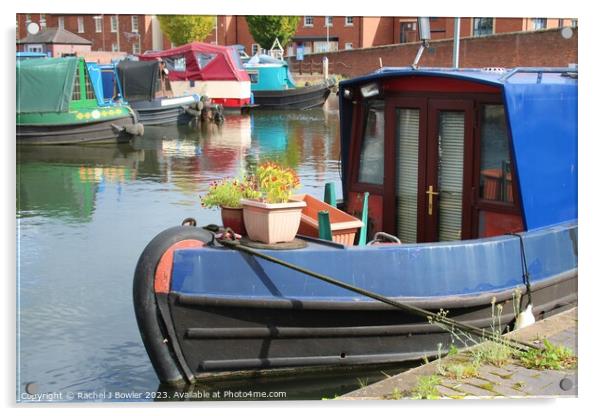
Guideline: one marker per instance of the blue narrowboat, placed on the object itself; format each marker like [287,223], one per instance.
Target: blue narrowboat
[145,86]
[473,175]
[274,88]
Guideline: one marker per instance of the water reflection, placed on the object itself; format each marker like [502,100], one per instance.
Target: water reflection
[87,212]
[63,181]
[295,386]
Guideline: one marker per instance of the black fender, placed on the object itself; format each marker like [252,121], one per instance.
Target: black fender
[162,349]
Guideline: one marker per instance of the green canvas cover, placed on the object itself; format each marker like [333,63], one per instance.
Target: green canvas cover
[45,85]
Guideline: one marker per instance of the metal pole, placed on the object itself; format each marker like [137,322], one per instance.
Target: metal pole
[327,34]
[118,44]
[456,57]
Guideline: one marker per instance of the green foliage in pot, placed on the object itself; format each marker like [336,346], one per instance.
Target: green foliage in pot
[229,192]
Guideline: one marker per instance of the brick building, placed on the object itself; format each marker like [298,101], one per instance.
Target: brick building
[113,33]
[138,33]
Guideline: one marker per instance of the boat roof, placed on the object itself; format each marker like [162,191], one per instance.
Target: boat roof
[54,76]
[490,76]
[204,62]
[541,112]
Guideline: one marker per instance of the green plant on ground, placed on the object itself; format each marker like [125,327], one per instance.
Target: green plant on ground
[228,193]
[554,357]
[458,371]
[362,382]
[396,394]
[497,352]
[426,387]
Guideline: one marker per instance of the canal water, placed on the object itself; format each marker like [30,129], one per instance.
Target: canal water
[84,215]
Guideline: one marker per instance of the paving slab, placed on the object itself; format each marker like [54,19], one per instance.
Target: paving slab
[511,380]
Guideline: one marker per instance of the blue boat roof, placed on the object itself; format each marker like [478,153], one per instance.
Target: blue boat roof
[541,111]
[491,76]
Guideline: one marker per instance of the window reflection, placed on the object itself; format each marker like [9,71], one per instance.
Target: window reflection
[373,145]
[496,170]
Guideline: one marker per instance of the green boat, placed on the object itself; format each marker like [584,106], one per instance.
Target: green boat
[57,103]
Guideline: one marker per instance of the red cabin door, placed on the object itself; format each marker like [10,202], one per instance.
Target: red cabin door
[428,169]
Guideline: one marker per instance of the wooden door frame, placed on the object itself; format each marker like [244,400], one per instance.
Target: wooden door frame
[390,189]
[431,225]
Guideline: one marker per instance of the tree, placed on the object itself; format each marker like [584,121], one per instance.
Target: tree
[265,29]
[182,29]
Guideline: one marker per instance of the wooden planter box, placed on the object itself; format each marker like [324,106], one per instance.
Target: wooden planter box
[342,225]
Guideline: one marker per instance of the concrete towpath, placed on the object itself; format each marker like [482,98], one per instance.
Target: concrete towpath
[511,380]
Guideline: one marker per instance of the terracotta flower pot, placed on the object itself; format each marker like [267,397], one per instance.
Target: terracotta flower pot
[272,223]
[233,218]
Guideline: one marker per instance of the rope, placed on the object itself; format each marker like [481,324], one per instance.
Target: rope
[526,277]
[430,316]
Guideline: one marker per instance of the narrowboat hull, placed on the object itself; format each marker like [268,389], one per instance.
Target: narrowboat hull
[162,111]
[205,311]
[292,99]
[115,130]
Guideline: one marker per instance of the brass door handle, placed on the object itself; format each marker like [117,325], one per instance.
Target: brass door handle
[430,193]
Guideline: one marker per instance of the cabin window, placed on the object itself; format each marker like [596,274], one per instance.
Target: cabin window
[175,63]
[254,77]
[204,59]
[495,170]
[76,88]
[89,90]
[371,169]
[482,26]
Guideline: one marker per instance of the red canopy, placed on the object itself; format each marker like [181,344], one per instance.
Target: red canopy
[199,61]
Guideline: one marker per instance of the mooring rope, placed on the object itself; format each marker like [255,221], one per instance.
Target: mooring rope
[525,268]
[430,316]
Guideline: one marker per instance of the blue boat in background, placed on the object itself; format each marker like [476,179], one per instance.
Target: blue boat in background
[274,88]
[466,181]
[146,90]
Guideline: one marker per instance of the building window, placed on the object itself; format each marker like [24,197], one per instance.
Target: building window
[115,47]
[482,26]
[328,21]
[135,24]
[254,48]
[348,45]
[308,21]
[80,24]
[136,47]
[573,22]
[349,21]
[539,23]
[98,23]
[114,24]
[42,20]
[61,22]
[34,48]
